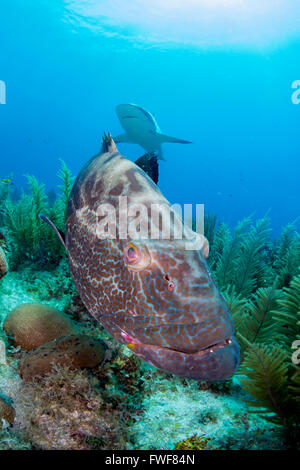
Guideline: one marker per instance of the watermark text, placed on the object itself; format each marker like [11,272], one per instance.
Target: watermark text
[2,92]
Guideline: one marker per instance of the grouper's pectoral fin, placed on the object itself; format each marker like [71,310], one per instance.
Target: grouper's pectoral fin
[167,138]
[58,232]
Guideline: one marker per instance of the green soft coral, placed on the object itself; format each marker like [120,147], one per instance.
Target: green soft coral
[287,315]
[257,322]
[260,281]
[274,385]
[30,239]
[266,370]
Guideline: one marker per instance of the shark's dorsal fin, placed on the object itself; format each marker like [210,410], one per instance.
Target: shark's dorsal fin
[108,144]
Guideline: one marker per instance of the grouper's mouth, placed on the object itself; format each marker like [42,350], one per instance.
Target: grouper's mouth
[215,347]
[130,340]
[216,362]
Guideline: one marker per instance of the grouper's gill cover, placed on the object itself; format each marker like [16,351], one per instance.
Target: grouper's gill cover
[165,305]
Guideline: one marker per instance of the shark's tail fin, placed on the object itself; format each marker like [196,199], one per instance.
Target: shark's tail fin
[167,138]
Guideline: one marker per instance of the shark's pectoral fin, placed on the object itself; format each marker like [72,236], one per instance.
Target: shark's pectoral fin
[167,138]
[123,138]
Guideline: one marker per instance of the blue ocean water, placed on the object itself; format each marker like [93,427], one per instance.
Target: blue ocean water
[223,74]
[217,73]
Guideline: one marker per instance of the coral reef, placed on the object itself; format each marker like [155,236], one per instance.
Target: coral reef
[3,263]
[7,412]
[193,443]
[31,325]
[73,351]
[64,410]
[123,402]
[9,440]
[178,406]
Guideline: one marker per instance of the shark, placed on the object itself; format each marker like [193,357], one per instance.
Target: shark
[142,129]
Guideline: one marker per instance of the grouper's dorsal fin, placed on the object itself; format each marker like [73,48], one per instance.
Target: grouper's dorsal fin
[108,144]
[58,232]
[149,164]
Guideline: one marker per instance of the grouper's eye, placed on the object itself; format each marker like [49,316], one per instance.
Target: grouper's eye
[132,254]
[136,257]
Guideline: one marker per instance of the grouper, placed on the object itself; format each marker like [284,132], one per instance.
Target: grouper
[151,293]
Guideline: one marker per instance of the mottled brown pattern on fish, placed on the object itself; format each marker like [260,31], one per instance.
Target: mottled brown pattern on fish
[161,325]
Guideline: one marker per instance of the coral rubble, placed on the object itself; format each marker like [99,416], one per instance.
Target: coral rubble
[64,410]
[7,412]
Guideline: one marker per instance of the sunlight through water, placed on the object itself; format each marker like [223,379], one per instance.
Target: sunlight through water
[204,23]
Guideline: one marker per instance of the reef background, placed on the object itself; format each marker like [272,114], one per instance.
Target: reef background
[219,74]
[125,403]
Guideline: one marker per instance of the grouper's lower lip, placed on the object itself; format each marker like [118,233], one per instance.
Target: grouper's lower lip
[217,362]
[215,347]
[202,352]
[205,351]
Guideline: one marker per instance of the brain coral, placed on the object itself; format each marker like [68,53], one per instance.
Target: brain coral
[31,325]
[3,263]
[73,351]
[6,412]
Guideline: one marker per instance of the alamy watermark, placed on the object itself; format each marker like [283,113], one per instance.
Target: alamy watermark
[296,354]
[137,221]
[296,94]
[296,100]
[2,92]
